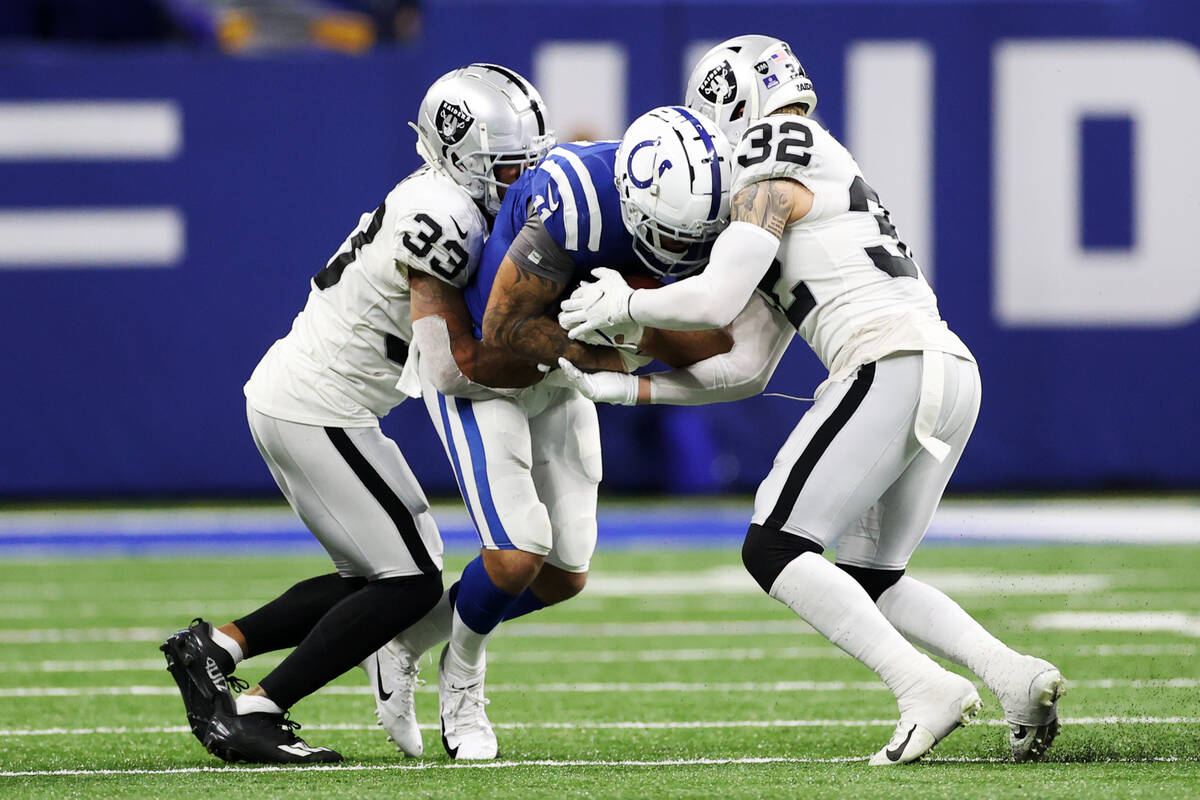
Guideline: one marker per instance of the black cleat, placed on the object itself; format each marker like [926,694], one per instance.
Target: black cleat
[261,739]
[192,660]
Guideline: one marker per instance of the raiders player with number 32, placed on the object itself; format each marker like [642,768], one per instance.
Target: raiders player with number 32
[314,404]
[865,468]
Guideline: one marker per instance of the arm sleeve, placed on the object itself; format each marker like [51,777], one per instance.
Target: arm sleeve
[535,250]
[740,258]
[760,337]
[437,366]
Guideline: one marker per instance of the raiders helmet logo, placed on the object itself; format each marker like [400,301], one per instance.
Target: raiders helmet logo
[452,122]
[719,85]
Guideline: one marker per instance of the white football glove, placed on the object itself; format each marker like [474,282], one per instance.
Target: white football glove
[603,303]
[599,387]
[626,336]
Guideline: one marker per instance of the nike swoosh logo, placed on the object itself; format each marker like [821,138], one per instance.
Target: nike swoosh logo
[452,751]
[383,693]
[461,233]
[894,755]
[551,204]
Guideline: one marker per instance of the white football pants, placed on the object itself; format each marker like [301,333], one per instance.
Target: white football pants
[354,491]
[853,474]
[528,468]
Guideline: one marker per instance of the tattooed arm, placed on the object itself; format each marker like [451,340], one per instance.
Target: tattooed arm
[435,301]
[516,320]
[771,205]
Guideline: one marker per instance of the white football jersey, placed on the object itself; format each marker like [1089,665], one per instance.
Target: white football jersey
[340,363]
[842,276]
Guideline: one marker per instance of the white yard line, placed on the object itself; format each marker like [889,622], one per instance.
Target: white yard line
[1164,621]
[1140,621]
[595,687]
[518,630]
[1137,650]
[620,725]
[433,765]
[818,653]
[510,657]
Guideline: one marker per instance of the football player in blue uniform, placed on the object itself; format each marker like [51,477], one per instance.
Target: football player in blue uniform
[528,462]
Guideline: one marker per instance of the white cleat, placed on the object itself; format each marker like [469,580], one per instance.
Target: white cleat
[467,733]
[392,671]
[1029,696]
[928,718]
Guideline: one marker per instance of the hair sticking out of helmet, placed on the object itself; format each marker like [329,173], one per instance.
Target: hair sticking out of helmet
[743,79]
[477,120]
[672,175]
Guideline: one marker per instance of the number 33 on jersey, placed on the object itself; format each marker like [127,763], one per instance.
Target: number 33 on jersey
[340,362]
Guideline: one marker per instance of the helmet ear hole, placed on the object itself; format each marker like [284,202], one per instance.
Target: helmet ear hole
[738,111]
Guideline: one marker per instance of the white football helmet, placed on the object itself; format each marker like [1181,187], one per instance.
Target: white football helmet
[743,79]
[477,118]
[672,175]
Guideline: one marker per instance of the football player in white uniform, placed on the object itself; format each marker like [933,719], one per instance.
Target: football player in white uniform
[866,467]
[314,403]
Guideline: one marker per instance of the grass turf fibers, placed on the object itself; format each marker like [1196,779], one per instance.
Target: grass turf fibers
[782,711]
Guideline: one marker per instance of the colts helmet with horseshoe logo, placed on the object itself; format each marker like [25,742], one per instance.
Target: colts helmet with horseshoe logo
[673,174]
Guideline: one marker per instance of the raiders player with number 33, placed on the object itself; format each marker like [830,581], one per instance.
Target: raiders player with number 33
[866,467]
[314,404]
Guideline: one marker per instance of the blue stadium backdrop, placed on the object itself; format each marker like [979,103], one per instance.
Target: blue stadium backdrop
[1043,155]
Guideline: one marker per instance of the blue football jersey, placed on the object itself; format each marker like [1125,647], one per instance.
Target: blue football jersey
[574,192]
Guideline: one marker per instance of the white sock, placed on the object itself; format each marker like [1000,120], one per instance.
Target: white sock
[229,645]
[256,704]
[832,602]
[932,620]
[430,630]
[468,650]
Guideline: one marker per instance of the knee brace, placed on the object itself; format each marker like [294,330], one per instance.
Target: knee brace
[767,551]
[875,581]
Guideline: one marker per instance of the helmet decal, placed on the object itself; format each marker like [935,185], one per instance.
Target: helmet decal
[452,122]
[719,85]
[714,161]
[641,184]
[762,68]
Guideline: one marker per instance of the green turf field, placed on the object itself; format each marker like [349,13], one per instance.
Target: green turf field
[672,676]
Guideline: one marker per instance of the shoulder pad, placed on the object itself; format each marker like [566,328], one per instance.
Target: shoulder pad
[776,147]
[572,216]
[440,231]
